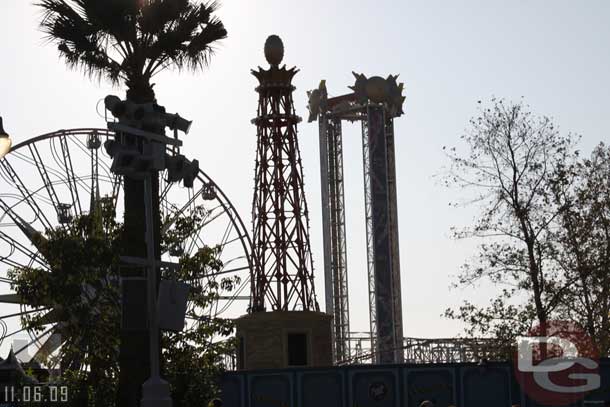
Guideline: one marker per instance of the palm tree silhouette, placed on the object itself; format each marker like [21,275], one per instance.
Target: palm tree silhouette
[130,41]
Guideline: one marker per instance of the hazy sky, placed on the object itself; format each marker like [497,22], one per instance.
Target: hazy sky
[449,54]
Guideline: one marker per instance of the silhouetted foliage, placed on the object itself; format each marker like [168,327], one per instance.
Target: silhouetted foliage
[583,243]
[132,40]
[80,289]
[531,187]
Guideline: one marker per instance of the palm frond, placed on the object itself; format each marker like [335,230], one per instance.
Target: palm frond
[188,44]
[132,40]
[159,14]
[200,49]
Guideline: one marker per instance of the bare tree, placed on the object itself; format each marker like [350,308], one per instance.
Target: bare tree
[512,160]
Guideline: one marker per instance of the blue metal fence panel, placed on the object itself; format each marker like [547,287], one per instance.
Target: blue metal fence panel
[459,385]
[234,390]
[373,387]
[486,386]
[435,384]
[271,389]
[321,388]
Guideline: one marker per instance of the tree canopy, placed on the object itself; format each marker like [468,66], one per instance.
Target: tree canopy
[542,225]
[79,292]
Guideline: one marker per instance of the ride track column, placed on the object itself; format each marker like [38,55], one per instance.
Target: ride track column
[380,202]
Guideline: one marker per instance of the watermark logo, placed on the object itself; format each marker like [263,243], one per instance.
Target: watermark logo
[557,364]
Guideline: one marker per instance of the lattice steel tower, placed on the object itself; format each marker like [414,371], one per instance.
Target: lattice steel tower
[283,270]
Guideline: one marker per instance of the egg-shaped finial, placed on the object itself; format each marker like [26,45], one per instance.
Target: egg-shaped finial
[377,89]
[274,50]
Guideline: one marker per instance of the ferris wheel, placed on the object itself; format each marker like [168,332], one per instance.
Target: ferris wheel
[49,180]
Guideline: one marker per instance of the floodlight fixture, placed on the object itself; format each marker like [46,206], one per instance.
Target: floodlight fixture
[115,105]
[145,115]
[176,122]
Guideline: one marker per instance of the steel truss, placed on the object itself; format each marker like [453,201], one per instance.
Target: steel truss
[381,220]
[427,350]
[283,274]
[394,241]
[331,147]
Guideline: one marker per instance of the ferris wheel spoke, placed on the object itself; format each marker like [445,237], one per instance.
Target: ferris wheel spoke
[235,239]
[5,176]
[50,317]
[198,318]
[225,237]
[72,185]
[211,219]
[228,271]
[21,313]
[30,160]
[177,212]
[63,174]
[86,148]
[10,263]
[18,331]
[13,264]
[42,170]
[232,298]
[196,237]
[33,256]
[91,150]
[25,193]
[6,280]
[95,178]
[45,170]
[116,188]
[168,186]
[235,297]
[50,345]
[33,341]
[11,299]
[191,244]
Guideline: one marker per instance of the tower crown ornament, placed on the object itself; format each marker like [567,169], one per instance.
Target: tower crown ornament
[275,77]
[378,90]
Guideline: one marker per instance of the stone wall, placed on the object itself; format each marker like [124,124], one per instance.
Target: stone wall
[264,338]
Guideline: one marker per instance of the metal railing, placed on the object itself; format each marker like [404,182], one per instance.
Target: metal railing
[420,351]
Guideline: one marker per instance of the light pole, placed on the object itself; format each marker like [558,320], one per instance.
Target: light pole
[5,141]
[155,391]
[141,161]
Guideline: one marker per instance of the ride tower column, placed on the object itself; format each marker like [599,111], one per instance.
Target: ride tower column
[375,102]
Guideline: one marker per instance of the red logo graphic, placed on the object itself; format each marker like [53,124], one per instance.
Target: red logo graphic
[557,364]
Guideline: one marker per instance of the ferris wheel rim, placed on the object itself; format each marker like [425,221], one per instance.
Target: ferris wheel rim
[224,204]
[203,176]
